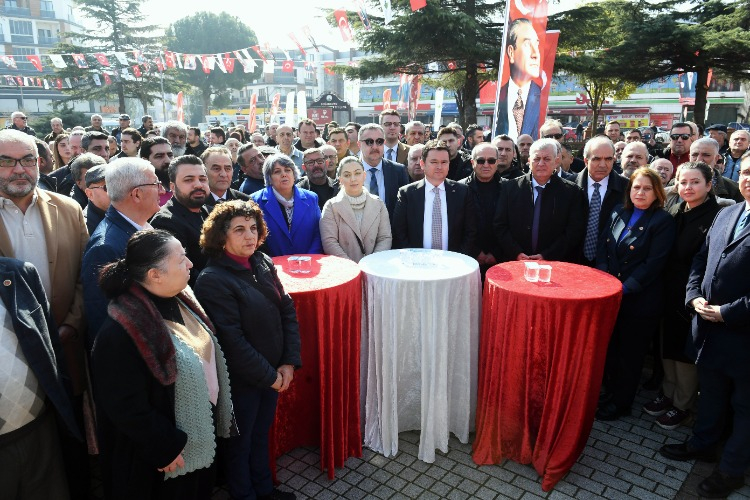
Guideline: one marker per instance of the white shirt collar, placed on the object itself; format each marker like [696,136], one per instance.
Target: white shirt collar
[602,183]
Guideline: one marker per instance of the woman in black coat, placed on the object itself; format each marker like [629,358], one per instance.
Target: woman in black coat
[693,216]
[634,249]
[257,329]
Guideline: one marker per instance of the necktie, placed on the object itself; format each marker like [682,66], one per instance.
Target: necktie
[390,155]
[537,213]
[518,112]
[741,224]
[437,221]
[373,182]
[592,229]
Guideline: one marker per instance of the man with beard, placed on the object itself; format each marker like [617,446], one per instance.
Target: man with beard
[176,134]
[474,135]
[634,155]
[147,123]
[384,178]
[505,152]
[158,152]
[57,129]
[195,145]
[414,163]
[184,213]
[317,179]
[219,168]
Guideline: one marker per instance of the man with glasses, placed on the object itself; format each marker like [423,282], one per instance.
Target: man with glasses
[134,189]
[384,177]
[394,150]
[332,159]
[484,185]
[18,122]
[251,163]
[317,179]
[518,104]
[680,139]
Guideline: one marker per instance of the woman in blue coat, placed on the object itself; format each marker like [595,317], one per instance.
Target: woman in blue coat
[634,249]
[292,214]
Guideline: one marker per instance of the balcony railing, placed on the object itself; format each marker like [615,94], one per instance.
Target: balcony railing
[17,11]
[47,14]
[48,40]
[21,38]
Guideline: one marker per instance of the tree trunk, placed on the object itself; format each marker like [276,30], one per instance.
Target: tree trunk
[701,96]
[471,92]
[121,97]
[144,103]
[206,99]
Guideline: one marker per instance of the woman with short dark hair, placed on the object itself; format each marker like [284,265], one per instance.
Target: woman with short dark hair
[162,386]
[257,328]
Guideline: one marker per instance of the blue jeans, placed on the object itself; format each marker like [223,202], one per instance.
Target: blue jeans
[246,459]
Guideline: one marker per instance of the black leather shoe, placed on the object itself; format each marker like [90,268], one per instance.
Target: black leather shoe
[719,485]
[609,411]
[684,452]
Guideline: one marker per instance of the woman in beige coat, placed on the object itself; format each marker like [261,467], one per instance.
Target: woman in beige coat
[354,223]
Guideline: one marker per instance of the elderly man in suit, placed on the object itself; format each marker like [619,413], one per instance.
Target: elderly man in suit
[518,103]
[33,391]
[436,212]
[184,213]
[394,149]
[539,215]
[47,230]
[384,177]
[604,191]
[718,291]
[134,190]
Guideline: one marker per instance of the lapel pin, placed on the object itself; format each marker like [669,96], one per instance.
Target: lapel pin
[6,283]
[640,228]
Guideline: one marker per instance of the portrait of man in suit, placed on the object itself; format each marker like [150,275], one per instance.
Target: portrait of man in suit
[436,212]
[518,102]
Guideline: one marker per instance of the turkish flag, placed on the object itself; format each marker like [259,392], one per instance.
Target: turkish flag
[180,109]
[418,4]
[205,63]
[451,65]
[107,79]
[256,48]
[136,71]
[20,81]
[328,67]
[38,82]
[102,59]
[80,60]
[343,22]
[36,61]
[159,64]
[296,42]
[387,99]
[288,66]
[228,63]
[58,83]
[169,56]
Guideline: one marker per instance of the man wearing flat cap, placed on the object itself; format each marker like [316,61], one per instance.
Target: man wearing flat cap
[96,192]
[124,123]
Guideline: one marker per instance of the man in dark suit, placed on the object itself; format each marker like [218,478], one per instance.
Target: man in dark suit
[34,391]
[719,292]
[435,212]
[394,150]
[184,213]
[219,167]
[604,190]
[134,190]
[521,95]
[540,215]
[384,178]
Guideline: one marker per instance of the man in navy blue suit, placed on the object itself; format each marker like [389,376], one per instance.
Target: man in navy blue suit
[518,102]
[384,177]
[719,292]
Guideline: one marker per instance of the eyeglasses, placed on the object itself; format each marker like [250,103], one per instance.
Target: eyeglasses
[684,137]
[331,157]
[553,136]
[319,161]
[27,162]
[158,185]
[379,141]
[481,161]
[103,188]
[22,117]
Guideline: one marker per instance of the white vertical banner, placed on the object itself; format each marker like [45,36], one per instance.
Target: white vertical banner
[351,92]
[439,94]
[301,105]
[289,117]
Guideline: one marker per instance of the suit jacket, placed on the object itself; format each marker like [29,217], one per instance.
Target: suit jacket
[107,244]
[394,176]
[186,227]
[304,236]
[614,197]
[719,274]
[231,194]
[343,236]
[402,153]
[638,260]
[25,300]
[408,217]
[530,115]
[562,223]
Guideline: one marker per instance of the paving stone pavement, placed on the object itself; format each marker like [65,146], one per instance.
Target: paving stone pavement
[620,461]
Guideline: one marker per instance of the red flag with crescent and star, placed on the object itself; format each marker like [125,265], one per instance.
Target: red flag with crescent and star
[36,61]
[102,59]
[228,63]
[343,22]
[288,66]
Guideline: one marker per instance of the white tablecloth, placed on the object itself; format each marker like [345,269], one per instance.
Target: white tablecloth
[420,338]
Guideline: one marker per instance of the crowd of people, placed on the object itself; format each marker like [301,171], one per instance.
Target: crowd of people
[145,322]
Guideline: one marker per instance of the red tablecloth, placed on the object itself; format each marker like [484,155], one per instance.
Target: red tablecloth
[322,406]
[541,359]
